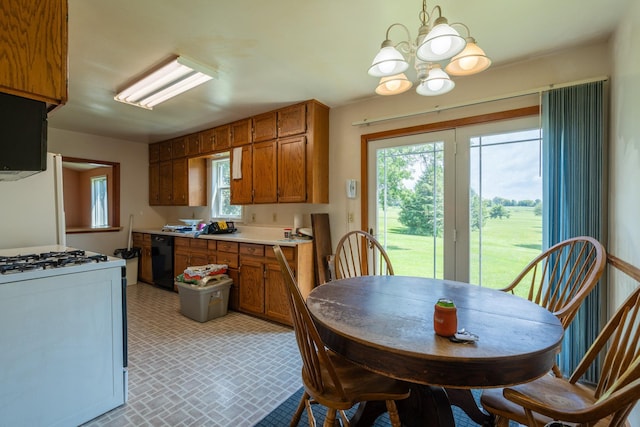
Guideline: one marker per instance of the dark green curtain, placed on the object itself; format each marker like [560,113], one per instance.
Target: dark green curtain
[574,127]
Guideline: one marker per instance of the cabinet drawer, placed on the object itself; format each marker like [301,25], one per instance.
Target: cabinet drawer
[224,246]
[181,242]
[288,252]
[199,244]
[227,258]
[251,249]
[211,245]
[146,238]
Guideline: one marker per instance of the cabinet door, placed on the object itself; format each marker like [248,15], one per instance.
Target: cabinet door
[166,183]
[192,144]
[265,187]
[292,120]
[241,189]
[154,153]
[206,141]
[292,169]
[154,184]
[265,127]
[165,150]
[146,271]
[276,304]
[180,182]
[241,133]
[251,287]
[222,137]
[180,255]
[34,49]
[178,148]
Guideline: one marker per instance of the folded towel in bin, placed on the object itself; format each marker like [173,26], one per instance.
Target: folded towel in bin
[199,272]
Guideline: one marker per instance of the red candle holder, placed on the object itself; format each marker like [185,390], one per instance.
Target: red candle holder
[445,319]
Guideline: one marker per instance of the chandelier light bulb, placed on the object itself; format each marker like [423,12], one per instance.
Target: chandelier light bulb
[468,62]
[440,45]
[393,85]
[435,85]
[388,62]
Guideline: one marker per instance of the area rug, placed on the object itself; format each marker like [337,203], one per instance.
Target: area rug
[281,416]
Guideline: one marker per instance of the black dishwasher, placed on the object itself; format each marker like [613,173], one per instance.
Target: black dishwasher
[162,261]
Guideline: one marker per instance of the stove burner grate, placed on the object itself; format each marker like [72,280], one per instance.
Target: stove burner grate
[20,263]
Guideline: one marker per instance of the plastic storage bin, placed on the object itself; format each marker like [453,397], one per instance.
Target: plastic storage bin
[203,303]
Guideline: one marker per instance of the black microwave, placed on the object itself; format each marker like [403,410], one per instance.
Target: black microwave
[23,137]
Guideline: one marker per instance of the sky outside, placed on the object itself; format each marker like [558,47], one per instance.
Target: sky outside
[512,170]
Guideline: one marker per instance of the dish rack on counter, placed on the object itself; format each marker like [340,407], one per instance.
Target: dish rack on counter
[219,227]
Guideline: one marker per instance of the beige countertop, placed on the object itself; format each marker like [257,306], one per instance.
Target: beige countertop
[245,234]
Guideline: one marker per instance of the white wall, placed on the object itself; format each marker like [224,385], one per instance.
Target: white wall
[134,182]
[624,200]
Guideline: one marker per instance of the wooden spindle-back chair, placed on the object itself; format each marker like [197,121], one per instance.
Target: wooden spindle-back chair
[328,378]
[358,253]
[609,401]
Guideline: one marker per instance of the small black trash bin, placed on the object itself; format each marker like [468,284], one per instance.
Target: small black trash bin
[131,256]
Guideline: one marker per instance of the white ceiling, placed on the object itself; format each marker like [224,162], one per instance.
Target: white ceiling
[274,53]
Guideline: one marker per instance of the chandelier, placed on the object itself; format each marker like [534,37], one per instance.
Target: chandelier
[437,42]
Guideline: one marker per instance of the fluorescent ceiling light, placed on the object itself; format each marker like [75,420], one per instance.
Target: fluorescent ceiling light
[170,80]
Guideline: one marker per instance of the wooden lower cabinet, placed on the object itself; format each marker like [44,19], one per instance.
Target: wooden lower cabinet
[143,241]
[188,252]
[261,286]
[251,286]
[276,304]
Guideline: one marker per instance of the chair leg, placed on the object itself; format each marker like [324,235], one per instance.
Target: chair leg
[330,419]
[312,419]
[296,417]
[345,420]
[394,417]
[501,421]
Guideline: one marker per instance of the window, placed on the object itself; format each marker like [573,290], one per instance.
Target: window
[91,206]
[99,206]
[221,191]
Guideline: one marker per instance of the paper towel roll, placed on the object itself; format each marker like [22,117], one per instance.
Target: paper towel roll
[297,222]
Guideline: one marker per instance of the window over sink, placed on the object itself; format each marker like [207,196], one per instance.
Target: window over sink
[221,207]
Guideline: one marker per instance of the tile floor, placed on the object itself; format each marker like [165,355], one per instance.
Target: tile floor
[229,371]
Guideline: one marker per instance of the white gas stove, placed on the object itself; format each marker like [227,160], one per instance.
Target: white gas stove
[64,336]
[51,260]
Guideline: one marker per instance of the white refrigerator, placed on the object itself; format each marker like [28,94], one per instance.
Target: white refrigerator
[32,212]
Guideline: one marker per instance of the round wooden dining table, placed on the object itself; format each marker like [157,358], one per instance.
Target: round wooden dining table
[385,324]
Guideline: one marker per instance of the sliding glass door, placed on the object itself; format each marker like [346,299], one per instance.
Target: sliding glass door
[462,204]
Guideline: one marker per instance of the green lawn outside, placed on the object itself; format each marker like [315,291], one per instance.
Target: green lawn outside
[508,246]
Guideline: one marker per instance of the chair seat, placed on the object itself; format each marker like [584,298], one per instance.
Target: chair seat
[360,385]
[556,392]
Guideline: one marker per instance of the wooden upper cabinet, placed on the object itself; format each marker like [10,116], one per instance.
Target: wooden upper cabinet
[292,120]
[207,137]
[222,137]
[189,182]
[165,150]
[178,147]
[154,153]
[154,184]
[241,132]
[265,127]
[292,169]
[265,185]
[165,179]
[241,189]
[192,144]
[34,40]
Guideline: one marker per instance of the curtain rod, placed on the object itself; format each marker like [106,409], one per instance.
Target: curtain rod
[367,122]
